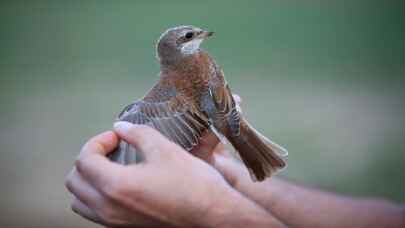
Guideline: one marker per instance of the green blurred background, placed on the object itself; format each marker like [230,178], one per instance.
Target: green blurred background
[324,78]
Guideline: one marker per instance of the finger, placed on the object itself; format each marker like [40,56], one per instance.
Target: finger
[222,150]
[81,189]
[101,144]
[233,171]
[145,139]
[229,168]
[83,210]
[93,164]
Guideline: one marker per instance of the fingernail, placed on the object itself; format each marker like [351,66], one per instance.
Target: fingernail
[122,126]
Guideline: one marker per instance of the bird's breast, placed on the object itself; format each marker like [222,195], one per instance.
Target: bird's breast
[192,76]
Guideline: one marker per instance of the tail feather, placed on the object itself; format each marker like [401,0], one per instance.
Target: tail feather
[281,151]
[261,156]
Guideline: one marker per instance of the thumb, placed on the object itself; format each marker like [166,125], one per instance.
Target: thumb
[144,138]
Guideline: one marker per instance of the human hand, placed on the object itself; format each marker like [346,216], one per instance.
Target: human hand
[170,188]
[213,151]
[288,201]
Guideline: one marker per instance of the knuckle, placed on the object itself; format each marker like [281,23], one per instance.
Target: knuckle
[106,214]
[110,191]
[80,163]
[122,189]
[68,182]
[116,190]
[110,216]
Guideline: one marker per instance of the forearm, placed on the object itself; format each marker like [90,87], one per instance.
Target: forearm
[305,207]
[298,206]
[236,211]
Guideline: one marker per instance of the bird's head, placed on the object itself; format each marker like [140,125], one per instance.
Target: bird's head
[179,42]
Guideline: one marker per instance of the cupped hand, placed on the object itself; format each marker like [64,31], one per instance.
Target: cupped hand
[170,188]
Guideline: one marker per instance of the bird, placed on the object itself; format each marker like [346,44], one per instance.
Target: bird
[192,97]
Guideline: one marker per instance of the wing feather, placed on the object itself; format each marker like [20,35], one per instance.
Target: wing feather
[176,119]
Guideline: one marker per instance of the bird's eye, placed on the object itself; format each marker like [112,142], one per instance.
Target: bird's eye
[189,35]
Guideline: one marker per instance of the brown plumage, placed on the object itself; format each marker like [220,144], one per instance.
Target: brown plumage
[192,97]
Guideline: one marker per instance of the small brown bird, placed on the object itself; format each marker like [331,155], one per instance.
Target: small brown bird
[192,97]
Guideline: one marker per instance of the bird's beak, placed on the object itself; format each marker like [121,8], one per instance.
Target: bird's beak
[205,34]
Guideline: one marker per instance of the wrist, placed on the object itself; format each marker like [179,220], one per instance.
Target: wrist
[265,193]
[232,209]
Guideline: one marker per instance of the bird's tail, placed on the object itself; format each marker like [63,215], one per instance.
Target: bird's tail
[260,155]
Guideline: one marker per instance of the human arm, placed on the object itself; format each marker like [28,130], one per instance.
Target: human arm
[299,206]
[171,188]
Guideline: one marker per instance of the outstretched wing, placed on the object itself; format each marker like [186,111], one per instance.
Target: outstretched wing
[178,120]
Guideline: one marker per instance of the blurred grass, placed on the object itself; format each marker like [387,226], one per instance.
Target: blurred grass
[324,78]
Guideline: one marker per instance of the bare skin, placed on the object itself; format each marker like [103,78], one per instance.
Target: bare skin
[289,202]
[174,189]
[299,206]
[171,189]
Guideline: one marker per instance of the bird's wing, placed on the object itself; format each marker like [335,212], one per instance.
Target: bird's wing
[226,107]
[175,118]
